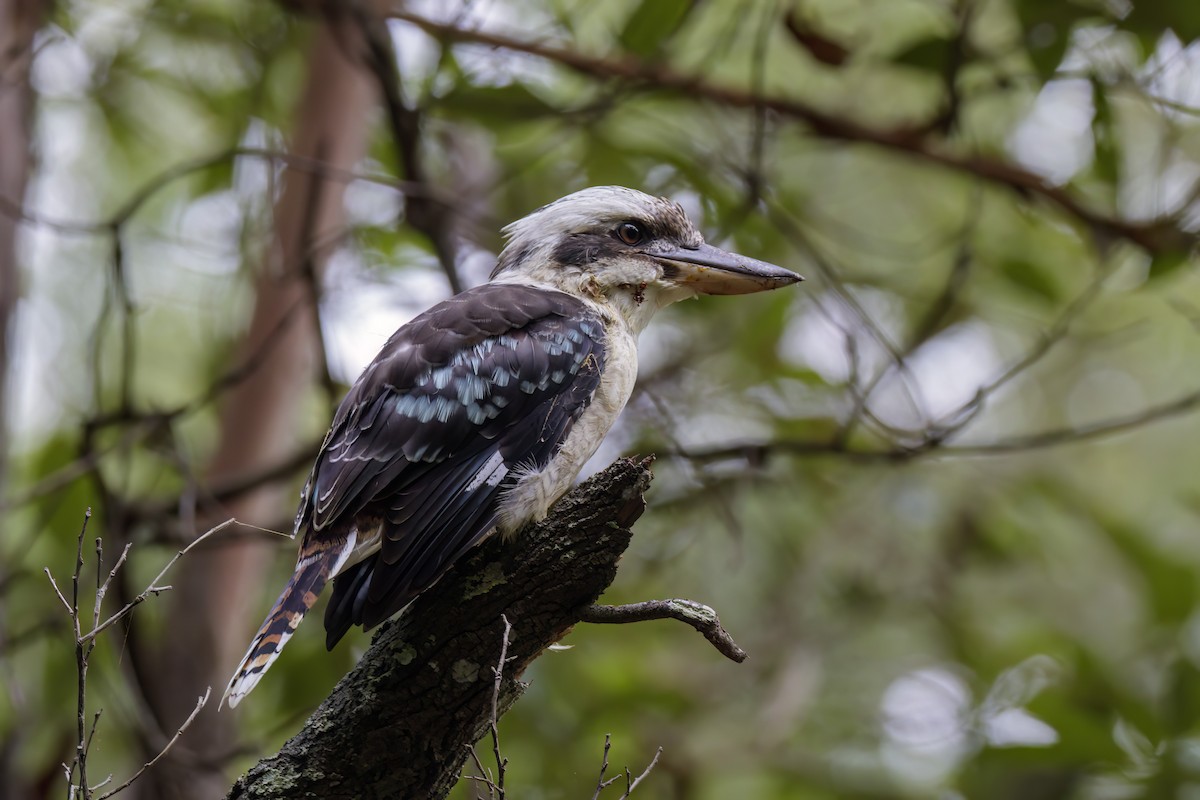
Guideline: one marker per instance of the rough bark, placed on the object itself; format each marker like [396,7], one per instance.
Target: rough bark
[399,724]
[258,423]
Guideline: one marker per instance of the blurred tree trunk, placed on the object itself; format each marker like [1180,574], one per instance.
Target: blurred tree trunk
[216,600]
[19,21]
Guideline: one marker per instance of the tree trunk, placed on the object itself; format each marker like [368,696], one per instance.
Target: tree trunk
[19,21]
[259,420]
[398,726]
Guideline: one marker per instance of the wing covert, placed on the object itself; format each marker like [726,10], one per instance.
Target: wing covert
[437,427]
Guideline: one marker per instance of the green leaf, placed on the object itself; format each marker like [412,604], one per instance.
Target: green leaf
[498,105]
[1181,709]
[1031,278]
[652,24]
[1170,585]
[823,48]
[606,161]
[1047,28]
[215,178]
[1105,141]
[1150,19]
[1167,262]
[932,54]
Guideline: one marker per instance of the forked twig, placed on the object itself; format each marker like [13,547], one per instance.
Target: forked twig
[630,785]
[154,588]
[85,644]
[631,782]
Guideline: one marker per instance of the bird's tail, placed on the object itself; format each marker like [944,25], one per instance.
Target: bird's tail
[313,571]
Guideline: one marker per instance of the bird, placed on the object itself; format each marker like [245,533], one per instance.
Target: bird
[479,413]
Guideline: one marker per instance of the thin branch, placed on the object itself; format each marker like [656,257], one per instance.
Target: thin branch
[1186,404]
[73,471]
[926,327]
[484,776]
[757,451]
[602,784]
[501,762]
[85,643]
[631,785]
[238,485]
[82,652]
[154,588]
[54,584]
[148,423]
[104,227]
[99,583]
[432,220]
[784,221]
[1058,331]
[200,703]
[1158,236]
[698,615]
[311,274]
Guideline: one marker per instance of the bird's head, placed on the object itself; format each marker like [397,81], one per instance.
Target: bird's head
[628,250]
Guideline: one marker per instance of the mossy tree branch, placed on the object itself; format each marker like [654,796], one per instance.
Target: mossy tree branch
[401,722]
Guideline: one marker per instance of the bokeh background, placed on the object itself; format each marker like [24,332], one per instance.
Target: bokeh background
[944,493]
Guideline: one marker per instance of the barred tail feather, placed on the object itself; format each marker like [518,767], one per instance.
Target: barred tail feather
[313,571]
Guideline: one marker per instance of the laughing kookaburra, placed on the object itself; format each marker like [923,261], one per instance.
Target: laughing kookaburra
[477,415]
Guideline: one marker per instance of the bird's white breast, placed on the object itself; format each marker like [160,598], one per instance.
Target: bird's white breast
[536,491]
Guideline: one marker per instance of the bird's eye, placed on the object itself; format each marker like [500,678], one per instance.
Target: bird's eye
[630,232]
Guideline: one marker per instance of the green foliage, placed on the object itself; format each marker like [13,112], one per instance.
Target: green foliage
[1165,263]
[653,24]
[1151,18]
[1033,278]
[931,54]
[1019,621]
[1047,30]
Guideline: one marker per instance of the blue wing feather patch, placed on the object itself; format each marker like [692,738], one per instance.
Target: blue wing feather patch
[437,426]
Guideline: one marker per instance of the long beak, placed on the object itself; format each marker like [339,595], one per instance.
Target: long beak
[712,270]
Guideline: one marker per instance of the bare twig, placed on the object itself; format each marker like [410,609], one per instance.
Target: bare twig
[631,783]
[484,776]
[1055,334]
[154,588]
[57,591]
[85,643]
[82,651]
[698,615]
[602,784]
[501,762]
[1055,437]
[495,786]
[238,485]
[200,703]
[925,328]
